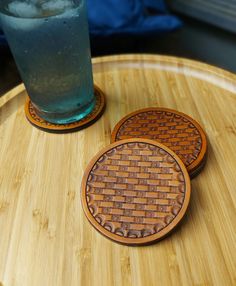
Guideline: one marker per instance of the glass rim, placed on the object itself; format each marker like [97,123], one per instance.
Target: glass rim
[4,12]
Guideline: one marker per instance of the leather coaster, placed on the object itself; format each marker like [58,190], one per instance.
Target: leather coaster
[135,191]
[70,127]
[176,130]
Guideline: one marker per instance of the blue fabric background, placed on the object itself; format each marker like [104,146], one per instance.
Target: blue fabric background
[107,17]
[131,17]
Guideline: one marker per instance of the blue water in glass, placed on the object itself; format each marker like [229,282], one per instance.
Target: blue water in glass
[52,53]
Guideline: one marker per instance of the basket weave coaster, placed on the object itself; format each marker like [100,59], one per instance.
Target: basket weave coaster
[135,191]
[70,127]
[176,130]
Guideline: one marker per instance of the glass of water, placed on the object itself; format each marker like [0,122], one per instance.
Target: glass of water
[49,40]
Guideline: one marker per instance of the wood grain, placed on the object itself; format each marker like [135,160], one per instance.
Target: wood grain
[46,239]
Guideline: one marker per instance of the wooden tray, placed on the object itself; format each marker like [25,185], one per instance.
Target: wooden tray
[45,238]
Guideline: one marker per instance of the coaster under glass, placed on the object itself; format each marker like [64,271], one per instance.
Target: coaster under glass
[37,121]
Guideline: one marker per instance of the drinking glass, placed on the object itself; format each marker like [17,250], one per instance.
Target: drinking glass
[49,40]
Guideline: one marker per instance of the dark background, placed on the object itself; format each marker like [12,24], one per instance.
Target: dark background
[196,40]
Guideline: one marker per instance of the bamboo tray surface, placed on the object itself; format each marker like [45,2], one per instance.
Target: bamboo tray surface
[45,237]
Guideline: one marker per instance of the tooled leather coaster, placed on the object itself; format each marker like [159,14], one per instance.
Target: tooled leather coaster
[176,130]
[135,191]
[70,127]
